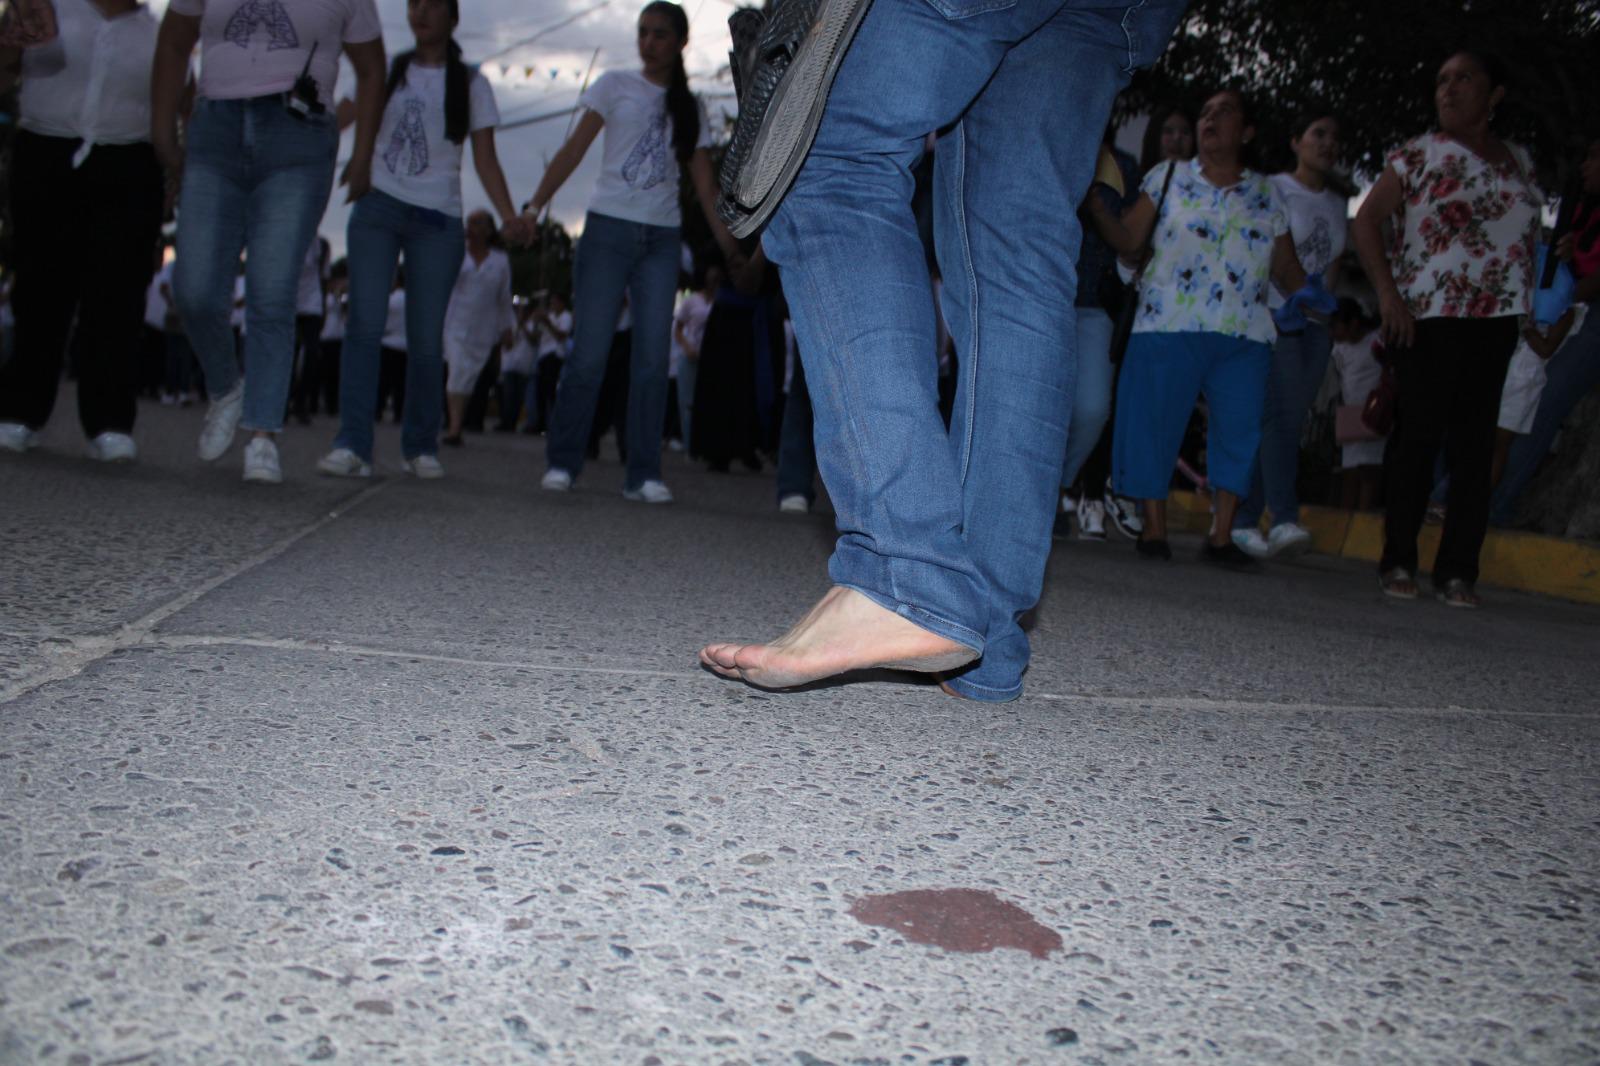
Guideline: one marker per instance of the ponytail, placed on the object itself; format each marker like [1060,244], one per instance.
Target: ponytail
[682,107]
[457,89]
[457,95]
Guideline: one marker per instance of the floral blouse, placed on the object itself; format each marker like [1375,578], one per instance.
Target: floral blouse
[1464,247]
[1211,255]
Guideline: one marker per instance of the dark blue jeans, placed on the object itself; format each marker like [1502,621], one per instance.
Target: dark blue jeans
[1574,372]
[1299,360]
[615,256]
[797,452]
[381,228]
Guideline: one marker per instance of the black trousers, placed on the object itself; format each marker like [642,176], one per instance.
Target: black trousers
[1449,385]
[83,244]
[306,385]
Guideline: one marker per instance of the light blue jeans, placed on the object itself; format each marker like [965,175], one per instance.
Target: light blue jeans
[952,532]
[1572,373]
[1091,397]
[1299,361]
[381,228]
[613,257]
[254,179]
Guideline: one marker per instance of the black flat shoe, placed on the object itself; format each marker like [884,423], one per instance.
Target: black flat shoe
[1153,549]
[1229,556]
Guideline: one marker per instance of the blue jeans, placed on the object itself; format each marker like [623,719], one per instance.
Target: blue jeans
[381,228]
[1299,360]
[1162,376]
[1091,399]
[1573,372]
[257,180]
[952,532]
[615,256]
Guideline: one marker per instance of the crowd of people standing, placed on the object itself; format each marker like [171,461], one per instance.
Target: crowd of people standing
[1235,278]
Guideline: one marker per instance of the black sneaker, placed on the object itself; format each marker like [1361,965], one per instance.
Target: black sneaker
[1229,556]
[1153,549]
[1124,514]
[781,96]
[1062,529]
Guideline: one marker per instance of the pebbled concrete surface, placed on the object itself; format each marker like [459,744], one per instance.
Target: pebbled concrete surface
[436,780]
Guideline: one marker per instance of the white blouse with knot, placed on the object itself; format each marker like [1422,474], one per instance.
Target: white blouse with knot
[93,80]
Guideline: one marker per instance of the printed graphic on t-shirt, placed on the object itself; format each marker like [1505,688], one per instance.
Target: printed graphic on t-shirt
[649,155]
[262,14]
[408,144]
[1316,251]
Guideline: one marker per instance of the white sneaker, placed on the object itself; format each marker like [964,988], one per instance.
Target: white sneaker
[1091,520]
[556,480]
[794,503]
[261,461]
[650,492]
[342,462]
[16,437]
[423,467]
[113,448]
[1288,539]
[1252,543]
[222,422]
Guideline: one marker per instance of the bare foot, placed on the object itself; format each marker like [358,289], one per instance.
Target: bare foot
[844,631]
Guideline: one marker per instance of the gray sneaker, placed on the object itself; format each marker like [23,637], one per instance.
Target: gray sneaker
[781,97]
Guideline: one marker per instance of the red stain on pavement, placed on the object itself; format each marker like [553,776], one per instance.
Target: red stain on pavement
[957,919]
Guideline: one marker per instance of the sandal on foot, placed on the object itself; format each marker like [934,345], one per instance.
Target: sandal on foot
[1457,592]
[1398,583]
[781,96]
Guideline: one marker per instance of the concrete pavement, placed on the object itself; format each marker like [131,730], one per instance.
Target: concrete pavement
[426,772]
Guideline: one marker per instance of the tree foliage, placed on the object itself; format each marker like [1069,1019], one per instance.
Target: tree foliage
[1374,62]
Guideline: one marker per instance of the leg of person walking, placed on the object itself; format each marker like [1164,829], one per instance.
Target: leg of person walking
[911,568]
[373,236]
[1425,381]
[1299,361]
[650,292]
[797,453]
[122,189]
[1481,349]
[293,163]
[1574,372]
[211,233]
[434,247]
[1235,388]
[47,241]
[1091,410]
[1008,298]
[600,274]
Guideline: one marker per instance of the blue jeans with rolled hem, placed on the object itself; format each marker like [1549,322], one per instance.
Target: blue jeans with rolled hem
[1091,397]
[1162,376]
[381,228]
[952,531]
[254,179]
[1572,372]
[615,256]
[1299,361]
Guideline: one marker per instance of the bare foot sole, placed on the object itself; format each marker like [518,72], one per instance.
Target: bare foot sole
[845,631]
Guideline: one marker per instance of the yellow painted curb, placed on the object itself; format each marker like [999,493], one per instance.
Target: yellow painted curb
[1530,562]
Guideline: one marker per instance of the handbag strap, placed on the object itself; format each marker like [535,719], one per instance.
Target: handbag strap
[1149,241]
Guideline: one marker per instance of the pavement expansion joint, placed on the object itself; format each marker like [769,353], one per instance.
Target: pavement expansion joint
[74,654]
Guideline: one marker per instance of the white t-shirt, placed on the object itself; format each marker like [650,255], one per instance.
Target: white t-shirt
[254,48]
[332,318]
[692,315]
[549,343]
[93,80]
[480,304]
[1359,372]
[415,162]
[1318,224]
[155,303]
[308,291]
[638,168]
[520,357]
[394,326]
